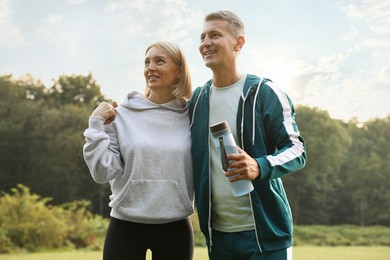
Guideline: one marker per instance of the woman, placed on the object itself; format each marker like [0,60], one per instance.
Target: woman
[143,148]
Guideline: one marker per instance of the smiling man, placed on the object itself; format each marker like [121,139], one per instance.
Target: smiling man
[262,119]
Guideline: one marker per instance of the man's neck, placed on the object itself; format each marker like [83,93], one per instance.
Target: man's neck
[225,79]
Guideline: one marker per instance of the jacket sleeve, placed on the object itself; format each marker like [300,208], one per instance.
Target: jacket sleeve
[101,151]
[285,147]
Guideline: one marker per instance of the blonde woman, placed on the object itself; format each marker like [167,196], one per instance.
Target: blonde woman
[143,149]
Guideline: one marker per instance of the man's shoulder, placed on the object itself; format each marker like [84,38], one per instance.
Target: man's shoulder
[255,79]
[206,86]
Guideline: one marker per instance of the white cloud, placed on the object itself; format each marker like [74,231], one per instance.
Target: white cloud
[370,9]
[11,33]
[372,17]
[53,19]
[344,95]
[330,64]
[330,82]
[71,2]
[352,34]
[76,2]
[168,19]
[50,32]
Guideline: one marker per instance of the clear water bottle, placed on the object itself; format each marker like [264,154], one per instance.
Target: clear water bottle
[224,140]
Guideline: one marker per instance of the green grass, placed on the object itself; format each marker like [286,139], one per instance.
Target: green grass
[299,252]
[341,253]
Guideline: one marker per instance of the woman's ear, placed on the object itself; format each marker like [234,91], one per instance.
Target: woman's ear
[178,76]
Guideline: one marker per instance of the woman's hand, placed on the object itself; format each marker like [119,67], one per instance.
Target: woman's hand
[107,111]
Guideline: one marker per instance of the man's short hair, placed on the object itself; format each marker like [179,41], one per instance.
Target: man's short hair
[236,26]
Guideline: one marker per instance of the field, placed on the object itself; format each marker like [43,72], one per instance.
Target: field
[300,253]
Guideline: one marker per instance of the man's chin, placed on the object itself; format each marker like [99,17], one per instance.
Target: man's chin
[208,64]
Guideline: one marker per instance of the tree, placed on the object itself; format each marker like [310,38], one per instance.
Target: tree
[366,171]
[44,130]
[18,112]
[311,191]
[76,89]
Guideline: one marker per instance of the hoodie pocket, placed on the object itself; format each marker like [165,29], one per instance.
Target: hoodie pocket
[154,200]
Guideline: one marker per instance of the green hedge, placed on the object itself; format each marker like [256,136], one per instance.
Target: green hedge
[342,235]
[29,223]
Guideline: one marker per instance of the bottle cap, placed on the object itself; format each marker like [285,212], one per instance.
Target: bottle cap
[219,126]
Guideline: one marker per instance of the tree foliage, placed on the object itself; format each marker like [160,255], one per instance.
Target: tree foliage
[327,142]
[44,137]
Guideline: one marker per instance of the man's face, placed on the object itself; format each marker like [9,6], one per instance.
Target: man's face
[217,45]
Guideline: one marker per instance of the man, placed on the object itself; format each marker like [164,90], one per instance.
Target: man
[262,119]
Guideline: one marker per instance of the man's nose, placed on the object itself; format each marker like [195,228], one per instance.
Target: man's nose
[206,41]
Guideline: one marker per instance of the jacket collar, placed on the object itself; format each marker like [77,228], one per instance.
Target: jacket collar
[251,80]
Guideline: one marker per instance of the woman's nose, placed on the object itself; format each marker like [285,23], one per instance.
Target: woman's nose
[151,67]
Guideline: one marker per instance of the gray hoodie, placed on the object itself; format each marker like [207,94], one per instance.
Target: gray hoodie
[145,155]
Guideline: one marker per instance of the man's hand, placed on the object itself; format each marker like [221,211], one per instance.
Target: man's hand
[243,166]
[107,111]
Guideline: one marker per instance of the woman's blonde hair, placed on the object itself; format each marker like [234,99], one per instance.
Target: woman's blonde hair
[183,89]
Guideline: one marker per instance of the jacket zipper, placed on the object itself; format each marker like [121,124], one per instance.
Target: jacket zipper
[209,220]
[254,222]
[243,148]
[250,198]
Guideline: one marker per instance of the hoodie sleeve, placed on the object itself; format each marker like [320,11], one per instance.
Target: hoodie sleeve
[101,151]
[282,132]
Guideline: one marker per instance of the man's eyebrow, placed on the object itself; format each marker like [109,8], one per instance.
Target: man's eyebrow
[210,32]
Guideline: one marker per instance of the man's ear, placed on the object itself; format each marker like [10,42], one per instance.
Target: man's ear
[240,41]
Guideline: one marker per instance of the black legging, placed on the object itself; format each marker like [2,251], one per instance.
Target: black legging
[129,241]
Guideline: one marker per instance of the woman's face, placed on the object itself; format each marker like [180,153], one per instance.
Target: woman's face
[161,72]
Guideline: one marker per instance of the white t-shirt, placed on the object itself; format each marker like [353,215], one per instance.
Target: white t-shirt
[230,214]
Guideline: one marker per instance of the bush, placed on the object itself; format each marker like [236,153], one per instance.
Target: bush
[5,242]
[27,222]
[85,229]
[198,236]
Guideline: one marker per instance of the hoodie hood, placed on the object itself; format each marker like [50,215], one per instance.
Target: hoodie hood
[137,101]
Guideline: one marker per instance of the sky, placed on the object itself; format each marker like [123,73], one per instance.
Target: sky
[333,54]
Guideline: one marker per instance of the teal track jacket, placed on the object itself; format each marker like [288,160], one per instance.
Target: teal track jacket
[267,131]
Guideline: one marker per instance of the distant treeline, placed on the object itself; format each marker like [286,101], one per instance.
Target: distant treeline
[345,181]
